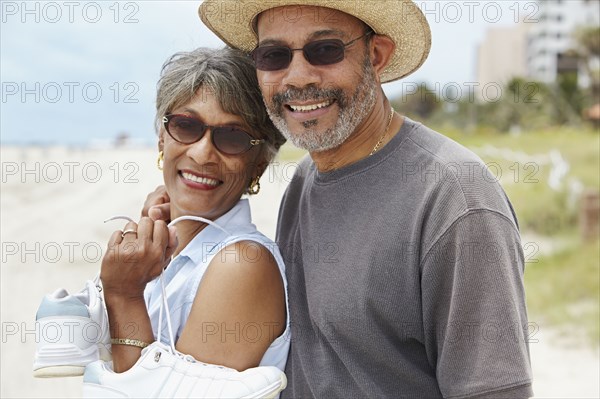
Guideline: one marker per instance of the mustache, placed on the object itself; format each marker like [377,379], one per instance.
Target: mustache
[306,94]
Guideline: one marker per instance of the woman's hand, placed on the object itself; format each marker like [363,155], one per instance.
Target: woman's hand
[157,205]
[135,256]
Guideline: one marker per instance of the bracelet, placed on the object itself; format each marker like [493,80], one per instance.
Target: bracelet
[128,341]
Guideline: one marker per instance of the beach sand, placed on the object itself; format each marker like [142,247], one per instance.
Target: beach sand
[53,202]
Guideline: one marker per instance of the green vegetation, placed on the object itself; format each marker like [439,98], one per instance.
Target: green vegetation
[562,290]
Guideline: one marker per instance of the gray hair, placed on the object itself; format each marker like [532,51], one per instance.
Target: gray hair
[231,76]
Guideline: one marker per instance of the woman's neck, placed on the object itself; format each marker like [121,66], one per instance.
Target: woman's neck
[186,231]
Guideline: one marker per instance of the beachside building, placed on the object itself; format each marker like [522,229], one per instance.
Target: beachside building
[551,37]
[502,55]
[537,48]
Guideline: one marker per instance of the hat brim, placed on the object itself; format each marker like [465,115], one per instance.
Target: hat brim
[401,20]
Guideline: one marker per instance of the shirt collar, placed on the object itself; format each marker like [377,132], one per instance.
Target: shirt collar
[237,221]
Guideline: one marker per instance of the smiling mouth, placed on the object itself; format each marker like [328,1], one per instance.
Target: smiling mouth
[311,107]
[201,180]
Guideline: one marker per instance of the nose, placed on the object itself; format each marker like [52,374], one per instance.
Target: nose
[300,73]
[203,150]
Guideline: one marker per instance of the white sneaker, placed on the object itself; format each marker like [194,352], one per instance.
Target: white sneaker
[159,373]
[72,331]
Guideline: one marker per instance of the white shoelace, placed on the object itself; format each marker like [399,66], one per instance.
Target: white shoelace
[164,306]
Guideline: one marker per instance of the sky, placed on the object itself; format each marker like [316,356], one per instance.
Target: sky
[81,72]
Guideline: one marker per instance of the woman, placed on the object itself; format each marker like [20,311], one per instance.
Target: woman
[226,287]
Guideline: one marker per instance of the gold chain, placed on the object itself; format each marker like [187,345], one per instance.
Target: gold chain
[384,133]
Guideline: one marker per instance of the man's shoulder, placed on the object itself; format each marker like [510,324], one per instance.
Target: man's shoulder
[432,145]
[449,175]
[449,161]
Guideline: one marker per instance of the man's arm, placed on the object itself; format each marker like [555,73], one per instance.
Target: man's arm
[474,311]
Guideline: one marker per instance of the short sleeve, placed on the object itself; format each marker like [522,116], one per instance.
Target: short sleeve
[474,311]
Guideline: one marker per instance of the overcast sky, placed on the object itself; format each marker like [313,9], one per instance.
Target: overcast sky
[75,71]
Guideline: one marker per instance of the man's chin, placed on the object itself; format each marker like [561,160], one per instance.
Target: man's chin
[308,137]
[313,146]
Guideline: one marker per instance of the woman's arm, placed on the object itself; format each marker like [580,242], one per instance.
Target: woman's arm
[239,308]
[130,262]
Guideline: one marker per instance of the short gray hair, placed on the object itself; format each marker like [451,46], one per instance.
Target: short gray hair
[231,76]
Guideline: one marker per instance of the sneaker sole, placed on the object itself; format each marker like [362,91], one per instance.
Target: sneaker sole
[91,390]
[271,391]
[59,371]
[66,360]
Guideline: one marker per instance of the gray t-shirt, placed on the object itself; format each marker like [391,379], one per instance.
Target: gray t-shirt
[405,276]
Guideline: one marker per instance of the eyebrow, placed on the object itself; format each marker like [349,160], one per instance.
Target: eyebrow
[313,36]
[327,32]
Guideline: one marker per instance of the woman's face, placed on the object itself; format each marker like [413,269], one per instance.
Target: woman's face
[200,180]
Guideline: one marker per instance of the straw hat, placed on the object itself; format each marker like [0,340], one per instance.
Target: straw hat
[234,22]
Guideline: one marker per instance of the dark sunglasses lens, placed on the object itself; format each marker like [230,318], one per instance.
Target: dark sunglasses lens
[185,130]
[272,58]
[324,52]
[230,140]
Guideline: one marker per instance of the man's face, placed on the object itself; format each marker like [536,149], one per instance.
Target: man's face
[316,107]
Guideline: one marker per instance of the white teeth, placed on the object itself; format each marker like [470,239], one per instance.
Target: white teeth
[308,108]
[201,180]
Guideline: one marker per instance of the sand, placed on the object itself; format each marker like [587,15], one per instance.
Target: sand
[53,202]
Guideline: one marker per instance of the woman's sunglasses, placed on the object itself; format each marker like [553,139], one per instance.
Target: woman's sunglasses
[318,52]
[229,140]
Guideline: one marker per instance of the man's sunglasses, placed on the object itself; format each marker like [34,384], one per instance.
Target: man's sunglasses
[318,52]
[229,140]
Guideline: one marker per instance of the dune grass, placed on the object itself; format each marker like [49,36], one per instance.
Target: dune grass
[563,290]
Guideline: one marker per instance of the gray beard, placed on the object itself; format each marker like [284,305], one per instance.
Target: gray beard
[352,112]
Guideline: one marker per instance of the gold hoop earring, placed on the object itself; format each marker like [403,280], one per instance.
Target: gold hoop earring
[254,187]
[160,161]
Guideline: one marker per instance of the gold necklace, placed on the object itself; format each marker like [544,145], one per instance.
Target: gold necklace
[384,133]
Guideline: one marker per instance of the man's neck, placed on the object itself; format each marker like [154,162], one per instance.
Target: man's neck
[375,129]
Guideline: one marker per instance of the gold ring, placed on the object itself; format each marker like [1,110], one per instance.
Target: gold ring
[127,232]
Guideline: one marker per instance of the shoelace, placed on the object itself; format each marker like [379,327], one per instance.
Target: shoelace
[164,306]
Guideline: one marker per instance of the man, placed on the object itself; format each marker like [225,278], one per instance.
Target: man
[403,253]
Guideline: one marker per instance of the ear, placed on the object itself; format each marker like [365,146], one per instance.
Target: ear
[382,49]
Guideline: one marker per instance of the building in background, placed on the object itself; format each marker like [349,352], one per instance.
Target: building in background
[503,55]
[550,39]
[538,49]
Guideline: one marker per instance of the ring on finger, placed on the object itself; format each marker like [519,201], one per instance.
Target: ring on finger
[127,232]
